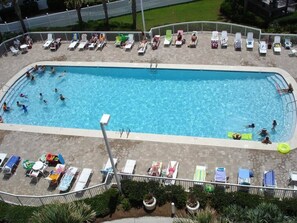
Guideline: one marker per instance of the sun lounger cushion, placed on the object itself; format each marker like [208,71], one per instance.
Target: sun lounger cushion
[67,178]
[269,179]
[220,174]
[200,173]
[83,179]
[245,136]
[244,176]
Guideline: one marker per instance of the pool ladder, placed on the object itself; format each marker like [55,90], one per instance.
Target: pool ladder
[121,131]
[153,65]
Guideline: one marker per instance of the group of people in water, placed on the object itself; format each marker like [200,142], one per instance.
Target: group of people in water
[31,76]
[263,133]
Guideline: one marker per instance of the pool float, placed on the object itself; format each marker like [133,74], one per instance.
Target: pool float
[283,148]
[244,136]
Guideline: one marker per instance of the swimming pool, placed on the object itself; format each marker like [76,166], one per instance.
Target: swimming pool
[187,102]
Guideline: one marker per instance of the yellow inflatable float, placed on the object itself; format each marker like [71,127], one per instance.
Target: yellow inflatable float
[283,148]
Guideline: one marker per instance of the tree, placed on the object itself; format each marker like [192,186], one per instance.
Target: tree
[18,12]
[106,21]
[134,15]
[77,4]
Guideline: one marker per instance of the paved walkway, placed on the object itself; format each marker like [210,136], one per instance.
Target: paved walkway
[90,152]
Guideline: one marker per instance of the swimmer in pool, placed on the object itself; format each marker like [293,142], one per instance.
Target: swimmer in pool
[23,95]
[63,74]
[251,126]
[62,98]
[24,107]
[19,104]
[5,107]
[40,96]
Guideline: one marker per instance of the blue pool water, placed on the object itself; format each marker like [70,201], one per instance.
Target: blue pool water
[168,101]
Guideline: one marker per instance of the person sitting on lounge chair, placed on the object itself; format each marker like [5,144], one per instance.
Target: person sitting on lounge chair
[171,170]
[142,44]
[179,37]
[155,43]
[193,38]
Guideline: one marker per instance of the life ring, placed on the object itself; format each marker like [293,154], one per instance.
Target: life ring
[236,136]
[283,148]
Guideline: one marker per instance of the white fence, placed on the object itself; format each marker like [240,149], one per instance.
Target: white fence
[29,200]
[69,17]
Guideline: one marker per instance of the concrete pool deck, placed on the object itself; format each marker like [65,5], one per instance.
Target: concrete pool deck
[90,151]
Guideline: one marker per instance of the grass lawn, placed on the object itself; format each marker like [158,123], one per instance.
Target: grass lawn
[205,10]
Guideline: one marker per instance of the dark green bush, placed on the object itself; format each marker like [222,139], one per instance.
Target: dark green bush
[177,195]
[201,195]
[126,204]
[105,203]
[56,5]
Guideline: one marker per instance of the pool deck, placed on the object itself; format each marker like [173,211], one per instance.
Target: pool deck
[90,152]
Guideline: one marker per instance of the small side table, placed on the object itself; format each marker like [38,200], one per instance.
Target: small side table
[24,48]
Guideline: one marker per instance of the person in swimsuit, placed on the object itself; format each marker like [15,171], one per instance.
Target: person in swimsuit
[263,133]
[274,124]
[25,108]
[251,126]
[23,95]
[266,140]
[5,107]
[171,170]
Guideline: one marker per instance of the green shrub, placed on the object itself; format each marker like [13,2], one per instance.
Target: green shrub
[177,195]
[15,214]
[105,203]
[134,191]
[126,204]
[56,5]
[201,195]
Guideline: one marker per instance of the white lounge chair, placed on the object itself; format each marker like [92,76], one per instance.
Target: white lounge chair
[237,41]
[293,53]
[14,50]
[101,41]
[93,42]
[200,174]
[169,174]
[142,47]
[83,43]
[2,158]
[168,38]
[277,47]
[250,41]
[130,42]
[179,42]
[193,40]
[49,40]
[107,168]
[288,43]
[129,167]
[262,48]
[224,39]
[214,40]
[67,178]
[83,179]
[74,42]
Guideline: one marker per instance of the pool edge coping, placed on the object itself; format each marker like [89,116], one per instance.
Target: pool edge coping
[151,137]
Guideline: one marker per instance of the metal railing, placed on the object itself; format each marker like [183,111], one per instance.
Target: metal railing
[200,26]
[280,193]
[30,200]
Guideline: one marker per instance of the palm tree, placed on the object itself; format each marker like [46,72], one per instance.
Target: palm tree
[106,22]
[77,4]
[77,212]
[17,9]
[134,15]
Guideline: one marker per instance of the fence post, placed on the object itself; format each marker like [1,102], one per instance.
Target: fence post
[19,200]
[41,201]
[2,198]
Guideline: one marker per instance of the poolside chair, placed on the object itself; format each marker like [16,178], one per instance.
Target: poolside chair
[14,50]
[179,42]
[168,38]
[169,174]
[2,158]
[56,44]
[107,168]
[48,41]
[237,41]
[11,165]
[262,48]
[277,47]
[74,42]
[250,41]
[142,47]
[155,42]
[93,42]
[244,176]
[120,39]
[200,174]
[67,178]
[293,177]
[288,44]
[224,39]
[269,181]
[214,41]
[293,52]
[220,175]
[129,167]
[193,40]
[83,179]
[83,43]
[130,42]
[155,169]
[27,165]
[101,41]
[55,175]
